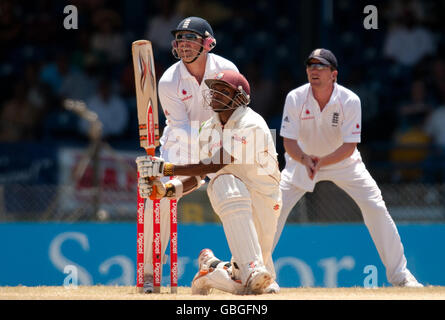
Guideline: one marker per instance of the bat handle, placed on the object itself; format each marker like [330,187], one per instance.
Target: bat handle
[152,196]
[151,152]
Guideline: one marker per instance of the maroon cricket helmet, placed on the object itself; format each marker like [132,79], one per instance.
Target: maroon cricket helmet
[232,78]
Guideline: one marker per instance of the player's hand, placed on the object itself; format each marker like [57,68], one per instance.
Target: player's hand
[318,164]
[310,163]
[149,166]
[145,186]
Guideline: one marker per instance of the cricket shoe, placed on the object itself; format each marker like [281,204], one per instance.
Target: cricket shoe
[272,288]
[206,258]
[148,283]
[213,275]
[215,278]
[200,283]
[410,282]
[259,279]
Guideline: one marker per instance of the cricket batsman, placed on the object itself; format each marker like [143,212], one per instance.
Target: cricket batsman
[238,152]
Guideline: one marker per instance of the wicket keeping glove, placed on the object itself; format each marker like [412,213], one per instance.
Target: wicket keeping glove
[149,166]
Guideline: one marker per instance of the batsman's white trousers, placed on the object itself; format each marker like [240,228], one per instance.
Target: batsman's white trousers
[249,219]
[356,181]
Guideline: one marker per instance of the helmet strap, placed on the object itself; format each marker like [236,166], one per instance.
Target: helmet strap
[197,56]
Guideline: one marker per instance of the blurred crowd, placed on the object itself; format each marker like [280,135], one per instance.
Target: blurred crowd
[397,70]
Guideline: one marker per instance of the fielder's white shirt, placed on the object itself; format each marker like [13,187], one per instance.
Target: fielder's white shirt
[182,101]
[318,132]
[247,138]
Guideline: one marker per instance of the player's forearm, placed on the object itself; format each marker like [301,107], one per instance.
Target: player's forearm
[343,152]
[211,165]
[189,184]
[293,150]
[192,169]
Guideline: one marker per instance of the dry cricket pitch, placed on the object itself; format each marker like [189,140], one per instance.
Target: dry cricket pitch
[184,293]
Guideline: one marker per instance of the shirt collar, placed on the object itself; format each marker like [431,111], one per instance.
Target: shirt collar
[236,115]
[185,74]
[332,99]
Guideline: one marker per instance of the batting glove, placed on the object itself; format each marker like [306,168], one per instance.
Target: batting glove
[146,185]
[149,166]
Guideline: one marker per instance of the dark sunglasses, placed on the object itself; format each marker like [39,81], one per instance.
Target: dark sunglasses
[188,36]
[318,66]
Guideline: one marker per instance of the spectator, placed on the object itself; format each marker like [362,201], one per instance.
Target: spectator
[111,110]
[160,26]
[410,138]
[79,85]
[215,12]
[436,78]
[37,92]
[435,124]
[108,41]
[263,87]
[54,72]
[10,26]
[18,117]
[435,128]
[418,100]
[411,149]
[408,42]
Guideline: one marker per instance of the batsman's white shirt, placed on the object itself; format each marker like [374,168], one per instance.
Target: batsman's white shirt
[182,101]
[318,132]
[247,138]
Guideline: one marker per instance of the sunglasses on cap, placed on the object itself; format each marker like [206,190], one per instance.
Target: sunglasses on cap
[317,66]
[188,36]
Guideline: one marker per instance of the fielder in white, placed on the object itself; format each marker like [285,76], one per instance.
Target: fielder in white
[180,91]
[321,128]
[237,147]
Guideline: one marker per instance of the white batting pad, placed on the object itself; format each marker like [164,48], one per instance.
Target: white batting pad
[231,201]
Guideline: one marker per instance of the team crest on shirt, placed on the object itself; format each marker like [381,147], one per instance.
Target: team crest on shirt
[335,117]
[308,115]
[357,131]
[187,97]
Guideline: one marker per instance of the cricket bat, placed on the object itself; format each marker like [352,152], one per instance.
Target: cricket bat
[148,121]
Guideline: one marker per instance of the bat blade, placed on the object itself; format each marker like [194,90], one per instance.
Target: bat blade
[148,121]
[146,95]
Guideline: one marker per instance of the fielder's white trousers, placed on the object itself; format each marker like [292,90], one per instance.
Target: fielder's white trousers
[356,181]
